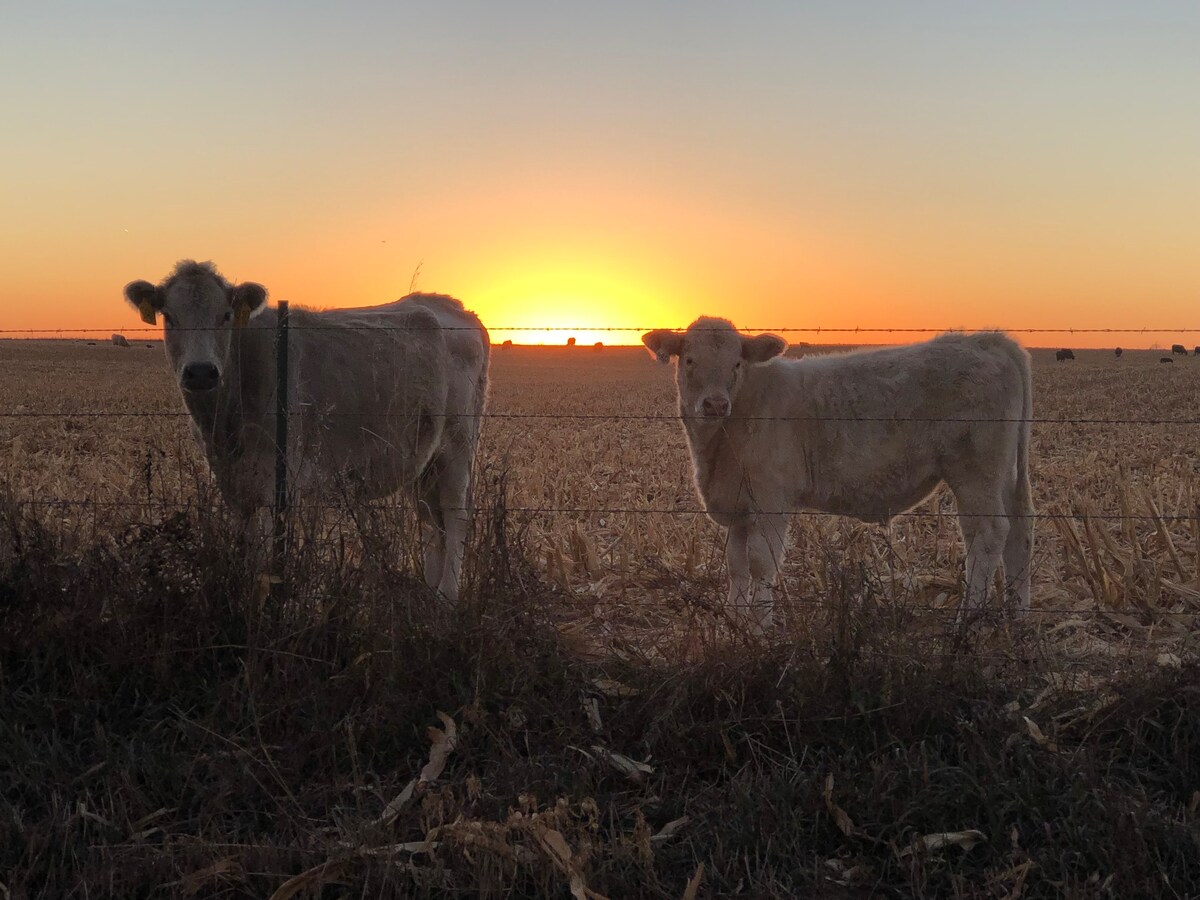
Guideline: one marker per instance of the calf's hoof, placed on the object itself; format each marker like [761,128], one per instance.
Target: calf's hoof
[757,619]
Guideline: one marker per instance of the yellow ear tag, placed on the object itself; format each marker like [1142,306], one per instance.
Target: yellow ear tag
[241,316]
[148,312]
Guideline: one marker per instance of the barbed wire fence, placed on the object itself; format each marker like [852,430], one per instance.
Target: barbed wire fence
[626,329]
[284,412]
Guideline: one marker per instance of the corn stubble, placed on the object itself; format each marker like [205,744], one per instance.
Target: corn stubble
[591,722]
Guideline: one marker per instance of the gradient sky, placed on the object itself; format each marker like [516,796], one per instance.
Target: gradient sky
[940,164]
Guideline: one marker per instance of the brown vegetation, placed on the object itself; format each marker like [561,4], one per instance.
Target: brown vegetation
[589,722]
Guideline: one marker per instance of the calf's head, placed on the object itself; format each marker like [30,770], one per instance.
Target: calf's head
[711,363]
[200,309]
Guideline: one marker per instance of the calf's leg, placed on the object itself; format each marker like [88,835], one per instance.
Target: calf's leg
[754,553]
[1018,548]
[429,511]
[985,529]
[454,495]
[738,561]
[768,534]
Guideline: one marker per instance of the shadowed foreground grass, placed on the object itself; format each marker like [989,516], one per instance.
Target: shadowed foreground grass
[165,730]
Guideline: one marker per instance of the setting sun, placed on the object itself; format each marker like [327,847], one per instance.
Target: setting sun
[572,296]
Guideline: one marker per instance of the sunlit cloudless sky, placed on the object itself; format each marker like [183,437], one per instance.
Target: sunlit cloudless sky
[941,164]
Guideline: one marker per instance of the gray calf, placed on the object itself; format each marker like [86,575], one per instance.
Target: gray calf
[390,397]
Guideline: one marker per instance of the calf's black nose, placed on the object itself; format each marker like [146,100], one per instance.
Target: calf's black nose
[715,406]
[200,376]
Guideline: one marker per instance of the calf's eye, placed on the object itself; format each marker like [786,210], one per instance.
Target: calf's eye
[228,316]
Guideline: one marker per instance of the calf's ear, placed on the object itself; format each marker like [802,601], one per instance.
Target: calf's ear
[663,344]
[762,347]
[146,299]
[247,300]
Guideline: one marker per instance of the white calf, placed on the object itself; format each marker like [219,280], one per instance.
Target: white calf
[868,434]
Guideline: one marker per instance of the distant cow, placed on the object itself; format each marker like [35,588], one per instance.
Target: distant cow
[868,434]
[119,340]
[507,345]
[1178,350]
[598,346]
[1060,355]
[392,397]
[1196,352]
[1117,353]
[1166,359]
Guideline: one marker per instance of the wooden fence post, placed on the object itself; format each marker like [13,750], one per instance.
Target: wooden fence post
[278,529]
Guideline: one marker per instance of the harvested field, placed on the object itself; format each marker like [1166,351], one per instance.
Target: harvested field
[598,470]
[162,728]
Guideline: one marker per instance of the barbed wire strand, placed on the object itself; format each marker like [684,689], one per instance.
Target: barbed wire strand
[871,517]
[613,417]
[606,329]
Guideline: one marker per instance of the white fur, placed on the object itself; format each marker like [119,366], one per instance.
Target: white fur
[380,399]
[868,434]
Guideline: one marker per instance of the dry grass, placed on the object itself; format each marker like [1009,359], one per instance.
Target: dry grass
[163,729]
[1100,581]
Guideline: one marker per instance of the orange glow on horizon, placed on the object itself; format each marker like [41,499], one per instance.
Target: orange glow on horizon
[615,261]
[785,166]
